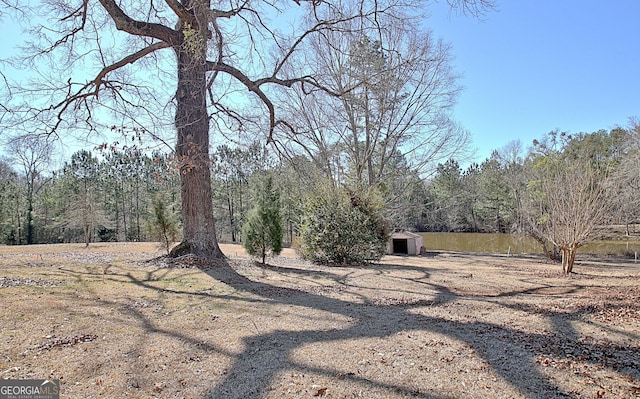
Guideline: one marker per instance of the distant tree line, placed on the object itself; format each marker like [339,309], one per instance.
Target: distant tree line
[582,180]
[94,196]
[111,194]
[493,196]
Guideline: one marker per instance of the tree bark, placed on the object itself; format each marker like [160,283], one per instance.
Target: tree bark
[569,258]
[192,149]
[573,250]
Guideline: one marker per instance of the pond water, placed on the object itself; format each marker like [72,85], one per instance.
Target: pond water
[517,244]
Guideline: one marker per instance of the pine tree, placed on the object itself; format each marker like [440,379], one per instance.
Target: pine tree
[163,226]
[262,231]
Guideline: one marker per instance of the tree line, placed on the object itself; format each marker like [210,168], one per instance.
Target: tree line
[115,194]
[491,196]
[559,190]
[92,197]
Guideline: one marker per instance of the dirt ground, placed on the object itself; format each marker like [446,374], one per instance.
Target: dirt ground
[109,323]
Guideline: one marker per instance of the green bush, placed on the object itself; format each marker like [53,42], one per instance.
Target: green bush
[343,227]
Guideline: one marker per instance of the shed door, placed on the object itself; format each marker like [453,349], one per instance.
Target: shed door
[400,246]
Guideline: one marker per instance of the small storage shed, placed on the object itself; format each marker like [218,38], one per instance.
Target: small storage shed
[405,243]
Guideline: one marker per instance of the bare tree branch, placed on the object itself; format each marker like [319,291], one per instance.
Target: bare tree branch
[129,59]
[139,28]
[475,8]
[80,11]
[392,96]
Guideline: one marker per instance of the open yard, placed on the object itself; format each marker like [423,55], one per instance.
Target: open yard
[112,324]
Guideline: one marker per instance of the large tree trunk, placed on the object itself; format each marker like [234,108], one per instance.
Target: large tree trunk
[192,122]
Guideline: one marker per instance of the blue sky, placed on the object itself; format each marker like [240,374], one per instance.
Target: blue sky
[536,66]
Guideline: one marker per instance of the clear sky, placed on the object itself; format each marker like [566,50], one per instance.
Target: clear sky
[535,66]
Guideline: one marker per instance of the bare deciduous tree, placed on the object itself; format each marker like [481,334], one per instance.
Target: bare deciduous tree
[565,204]
[32,153]
[399,90]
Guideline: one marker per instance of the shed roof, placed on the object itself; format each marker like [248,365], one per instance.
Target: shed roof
[406,235]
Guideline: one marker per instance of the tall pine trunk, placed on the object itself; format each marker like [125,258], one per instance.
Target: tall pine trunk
[192,149]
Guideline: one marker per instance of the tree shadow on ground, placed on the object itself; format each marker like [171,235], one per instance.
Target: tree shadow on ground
[514,355]
[511,353]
